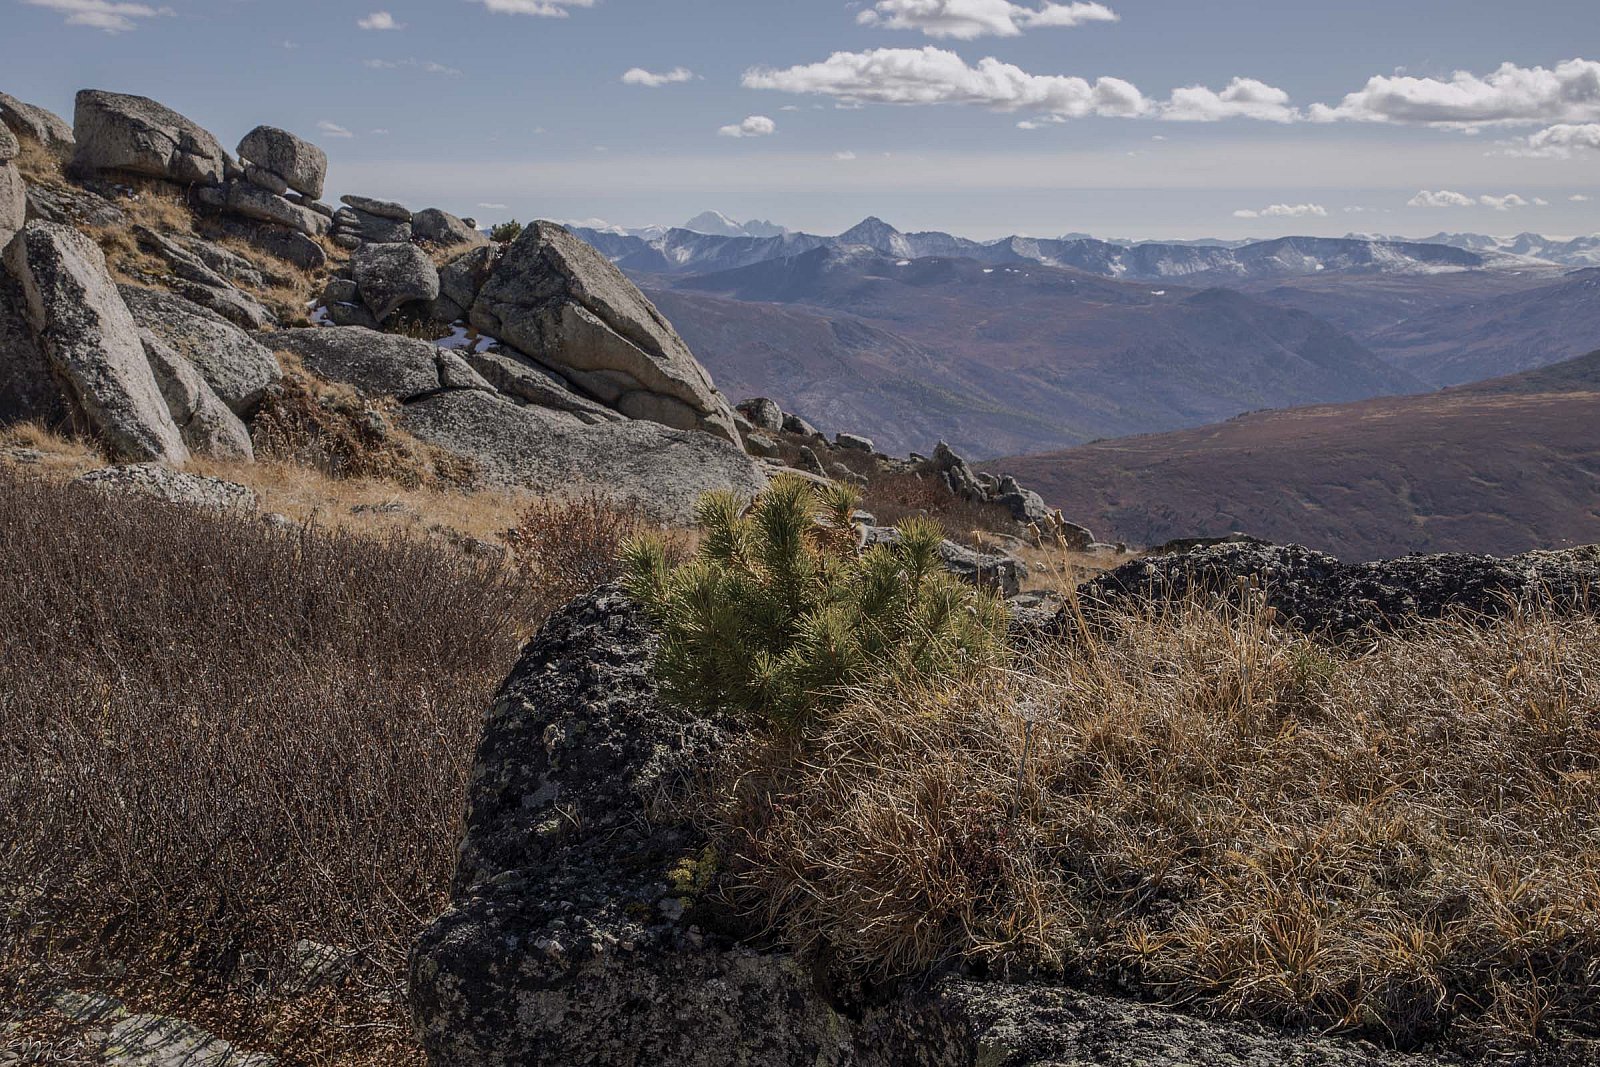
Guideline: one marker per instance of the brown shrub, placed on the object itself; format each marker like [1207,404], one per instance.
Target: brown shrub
[334,429]
[1403,842]
[575,545]
[219,738]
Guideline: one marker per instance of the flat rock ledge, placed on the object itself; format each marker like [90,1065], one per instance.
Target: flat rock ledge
[577,934]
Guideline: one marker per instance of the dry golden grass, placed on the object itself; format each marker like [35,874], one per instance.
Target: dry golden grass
[37,164]
[1403,842]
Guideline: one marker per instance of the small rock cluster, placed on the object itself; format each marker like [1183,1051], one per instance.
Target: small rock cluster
[547,318]
[763,423]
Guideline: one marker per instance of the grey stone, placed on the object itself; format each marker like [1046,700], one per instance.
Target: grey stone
[205,423]
[35,125]
[387,209]
[346,240]
[340,291]
[267,180]
[301,165]
[351,315]
[289,245]
[995,570]
[759,444]
[555,298]
[379,364]
[165,1041]
[13,203]
[1024,504]
[444,229]
[238,368]
[254,202]
[763,413]
[457,373]
[92,342]
[460,280]
[524,380]
[392,275]
[795,424]
[810,462]
[854,442]
[8,146]
[665,469]
[315,205]
[72,205]
[134,133]
[376,229]
[27,389]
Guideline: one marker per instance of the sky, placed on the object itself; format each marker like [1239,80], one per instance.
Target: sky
[1138,119]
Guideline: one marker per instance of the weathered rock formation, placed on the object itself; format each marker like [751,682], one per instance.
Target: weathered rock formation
[92,343]
[238,368]
[557,300]
[135,134]
[283,161]
[13,194]
[580,928]
[35,125]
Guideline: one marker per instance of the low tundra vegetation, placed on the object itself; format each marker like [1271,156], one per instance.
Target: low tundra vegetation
[1400,840]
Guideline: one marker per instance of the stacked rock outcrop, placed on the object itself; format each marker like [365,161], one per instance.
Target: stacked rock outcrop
[141,398]
[35,125]
[364,220]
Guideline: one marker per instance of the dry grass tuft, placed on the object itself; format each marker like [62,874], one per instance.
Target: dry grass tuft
[1403,842]
[37,164]
[334,429]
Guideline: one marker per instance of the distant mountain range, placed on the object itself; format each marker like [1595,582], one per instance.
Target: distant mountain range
[686,251]
[713,241]
[1501,466]
[1004,359]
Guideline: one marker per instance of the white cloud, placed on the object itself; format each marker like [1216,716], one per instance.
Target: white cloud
[1578,198]
[1446,198]
[555,9]
[380,20]
[640,76]
[1561,140]
[754,126]
[845,155]
[333,129]
[1503,203]
[932,75]
[427,66]
[965,20]
[1509,95]
[1284,211]
[1243,98]
[1442,198]
[494,207]
[102,14]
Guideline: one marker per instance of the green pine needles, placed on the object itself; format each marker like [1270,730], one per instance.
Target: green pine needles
[780,612]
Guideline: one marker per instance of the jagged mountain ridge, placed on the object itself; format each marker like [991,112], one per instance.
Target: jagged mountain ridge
[1583,251]
[685,251]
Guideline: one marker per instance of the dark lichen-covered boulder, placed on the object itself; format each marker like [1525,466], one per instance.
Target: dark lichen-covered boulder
[1319,594]
[581,931]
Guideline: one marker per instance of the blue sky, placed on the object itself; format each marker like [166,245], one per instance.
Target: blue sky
[1139,118]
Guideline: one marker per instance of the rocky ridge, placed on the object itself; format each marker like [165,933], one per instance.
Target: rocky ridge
[589,388]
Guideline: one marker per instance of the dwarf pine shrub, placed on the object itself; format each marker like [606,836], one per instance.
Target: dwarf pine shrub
[780,612]
[505,232]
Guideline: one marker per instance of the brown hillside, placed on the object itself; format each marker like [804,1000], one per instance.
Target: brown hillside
[1462,470]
